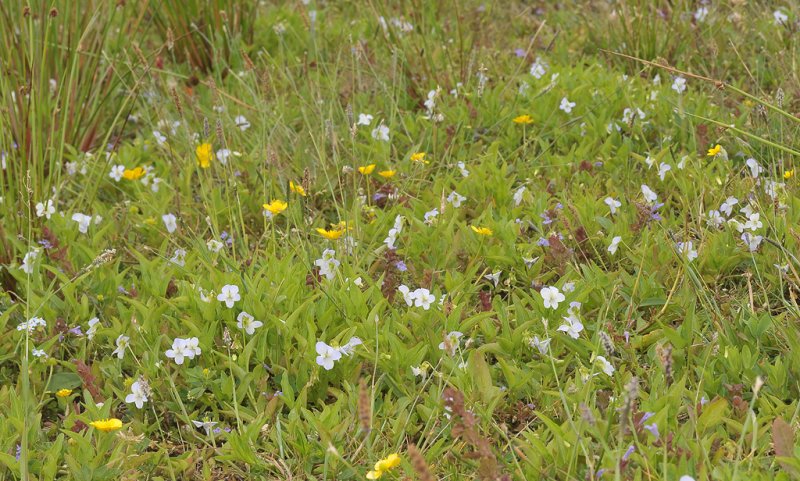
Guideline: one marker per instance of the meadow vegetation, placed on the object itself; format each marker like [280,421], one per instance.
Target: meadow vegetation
[399,240]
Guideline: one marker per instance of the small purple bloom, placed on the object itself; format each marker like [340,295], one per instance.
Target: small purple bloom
[401,266]
[543,242]
[628,453]
[46,244]
[653,428]
[520,52]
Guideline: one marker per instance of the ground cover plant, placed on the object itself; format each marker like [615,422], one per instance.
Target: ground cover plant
[399,240]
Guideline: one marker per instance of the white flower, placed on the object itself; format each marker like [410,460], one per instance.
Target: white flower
[327,355]
[242,122]
[137,396]
[771,188]
[179,257]
[214,245]
[192,346]
[394,232]
[753,222]
[612,248]
[39,353]
[154,184]
[605,365]
[451,342]
[364,119]
[408,297]
[205,296]
[727,206]
[755,168]
[116,172]
[229,294]
[494,277]
[455,199]
[349,348]
[83,221]
[687,249]
[648,194]
[682,162]
[248,323]
[679,85]
[430,216]
[206,425]
[663,168]
[94,323]
[462,167]
[613,204]
[518,195]
[45,209]
[539,68]
[701,14]
[327,264]
[714,219]
[423,298]
[222,155]
[747,210]
[551,297]
[122,343]
[160,139]
[630,114]
[572,326]
[179,351]
[566,105]
[752,241]
[780,17]
[542,345]
[31,324]
[381,132]
[170,222]
[28,260]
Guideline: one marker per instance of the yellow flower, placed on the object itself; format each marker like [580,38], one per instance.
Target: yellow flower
[714,150]
[107,425]
[788,174]
[205,154]
[523,119]
[134,174]
[297,189]
[419,157]
[63,392]
[332,234]
[387,174]
[389,462]
[366,169]
[276,207]
[482,230]
[150,221]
